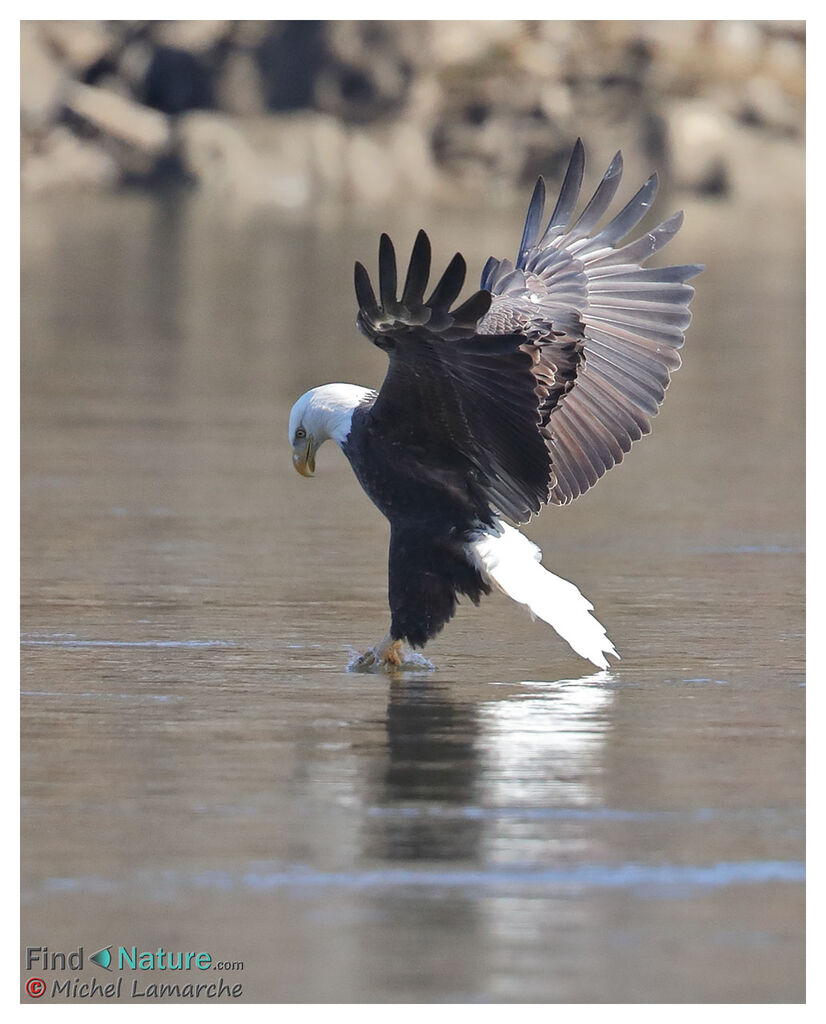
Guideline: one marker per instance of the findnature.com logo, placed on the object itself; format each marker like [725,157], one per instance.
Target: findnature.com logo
[41,960]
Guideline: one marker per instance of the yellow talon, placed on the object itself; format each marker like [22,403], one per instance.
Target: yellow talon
[387,653]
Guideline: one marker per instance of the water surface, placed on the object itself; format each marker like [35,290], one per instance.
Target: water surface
[200,771]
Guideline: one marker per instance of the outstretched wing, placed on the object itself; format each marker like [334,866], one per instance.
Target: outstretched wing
[606,331]
[463,408]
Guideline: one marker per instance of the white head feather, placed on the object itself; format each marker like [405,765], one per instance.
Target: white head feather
[326,412]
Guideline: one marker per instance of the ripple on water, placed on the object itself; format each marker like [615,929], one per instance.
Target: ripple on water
[669,880]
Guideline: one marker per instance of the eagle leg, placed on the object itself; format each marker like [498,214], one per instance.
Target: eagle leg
[386,654]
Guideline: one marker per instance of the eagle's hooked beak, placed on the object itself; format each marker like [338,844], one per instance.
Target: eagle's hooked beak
[304,458]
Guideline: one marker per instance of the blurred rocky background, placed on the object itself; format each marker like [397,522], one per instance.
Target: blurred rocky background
[289,113]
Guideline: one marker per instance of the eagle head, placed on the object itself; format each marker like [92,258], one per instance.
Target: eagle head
[322,414]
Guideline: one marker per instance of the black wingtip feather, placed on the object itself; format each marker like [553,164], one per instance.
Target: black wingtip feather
[387,272]
[418,272]
[472,311]
[383,319]
[365,296]
[450,284]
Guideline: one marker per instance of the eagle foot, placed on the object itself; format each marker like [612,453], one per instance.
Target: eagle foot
[387,654]
[390,656]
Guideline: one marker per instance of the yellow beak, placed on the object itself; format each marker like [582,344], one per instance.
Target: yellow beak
[304,460]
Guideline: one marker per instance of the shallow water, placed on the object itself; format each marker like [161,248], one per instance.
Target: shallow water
[201,773]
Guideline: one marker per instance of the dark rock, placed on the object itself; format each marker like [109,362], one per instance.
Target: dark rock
[177,81]
[290,58]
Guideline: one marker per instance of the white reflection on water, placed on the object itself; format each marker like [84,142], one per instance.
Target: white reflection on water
[544,746]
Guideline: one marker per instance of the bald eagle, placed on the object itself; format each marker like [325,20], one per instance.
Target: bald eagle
[524,395]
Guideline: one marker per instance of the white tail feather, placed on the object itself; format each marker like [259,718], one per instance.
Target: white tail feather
[512,562]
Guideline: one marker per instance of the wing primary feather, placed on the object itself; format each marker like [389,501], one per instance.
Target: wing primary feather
[628,217]
[365,295]
[641,249]
[601,199]
[532,221]
[569,193]
[628,272]
[450,284]
[488,272]
[418,271]
[387,273]
[473,309]
[651,293]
